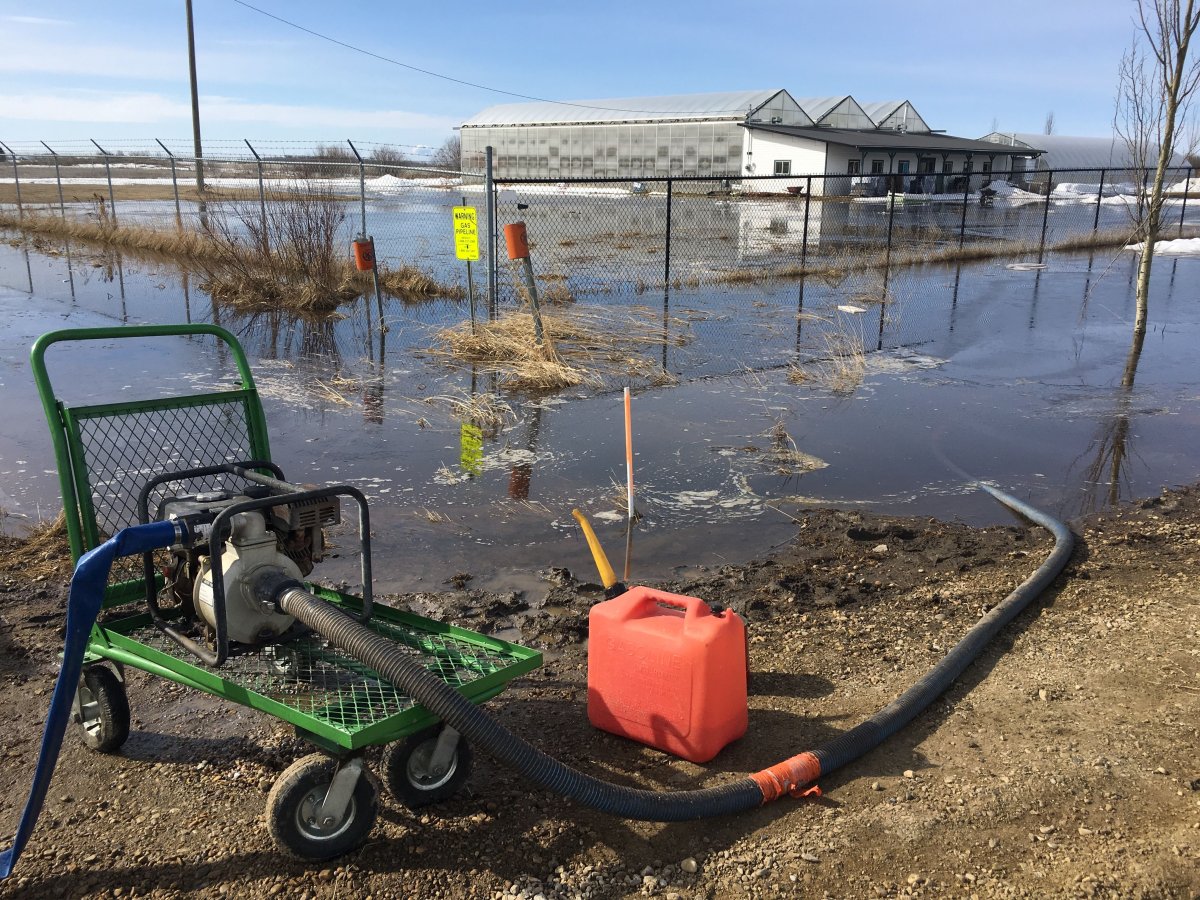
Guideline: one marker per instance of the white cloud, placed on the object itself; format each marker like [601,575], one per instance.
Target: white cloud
[149,108]
[35,20]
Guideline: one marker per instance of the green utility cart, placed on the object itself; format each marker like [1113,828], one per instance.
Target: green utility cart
[178,613]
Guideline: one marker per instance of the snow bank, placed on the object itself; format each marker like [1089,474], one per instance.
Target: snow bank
[1177,247]
[1188,185]
[1071,190]
[1011,192]
[390,183]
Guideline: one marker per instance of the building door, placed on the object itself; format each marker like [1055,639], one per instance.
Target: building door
[926,166]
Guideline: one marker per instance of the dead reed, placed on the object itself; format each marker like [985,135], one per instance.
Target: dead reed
[841,364]
[44,554]
[843,262]
[292,259]
[583,346]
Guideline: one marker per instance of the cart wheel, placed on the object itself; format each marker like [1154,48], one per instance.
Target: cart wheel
[409,778]
[296,798]
[103,714]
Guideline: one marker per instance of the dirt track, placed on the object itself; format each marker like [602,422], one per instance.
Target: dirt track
[1063,764]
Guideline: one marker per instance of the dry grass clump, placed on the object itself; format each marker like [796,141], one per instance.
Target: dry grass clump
[582,347]
[509,346]
[44,554]
[784,457]
[843,363]
[487,411]
[409,283]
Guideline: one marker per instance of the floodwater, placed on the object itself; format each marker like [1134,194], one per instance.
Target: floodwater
[1018,375]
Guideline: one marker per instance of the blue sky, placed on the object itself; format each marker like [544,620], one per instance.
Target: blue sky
[117,72]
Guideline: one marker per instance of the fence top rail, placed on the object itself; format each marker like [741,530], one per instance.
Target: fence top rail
[78,160]
[81,157]
[800,176]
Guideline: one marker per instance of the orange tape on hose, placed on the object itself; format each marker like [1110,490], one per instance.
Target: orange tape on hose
[788,777]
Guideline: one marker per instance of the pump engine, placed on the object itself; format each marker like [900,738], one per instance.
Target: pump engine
[267,529]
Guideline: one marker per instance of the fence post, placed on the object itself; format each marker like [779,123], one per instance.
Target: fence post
[262,197]
[887,264]
[362,186]
[174,184]
[16,180]
[667,260]
[1099,198]
[1046,210]
[362,197]
[962,225]
[804,237]
[62,206]
[1187,183]
[489,188]
[112,201]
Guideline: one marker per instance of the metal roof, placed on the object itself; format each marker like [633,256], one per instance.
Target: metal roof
[721,105]
[894,140]
[816,107]
[881,109]
[1061,151]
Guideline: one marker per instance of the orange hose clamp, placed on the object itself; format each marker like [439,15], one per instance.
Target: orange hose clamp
[364,254]
[516,240]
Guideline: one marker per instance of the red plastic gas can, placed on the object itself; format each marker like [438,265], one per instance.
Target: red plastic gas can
[665,670]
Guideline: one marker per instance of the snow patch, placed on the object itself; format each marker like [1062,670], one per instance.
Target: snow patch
[1177,247]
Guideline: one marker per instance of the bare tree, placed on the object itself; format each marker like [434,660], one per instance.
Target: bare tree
[448,156]
[1049,127]
[1155,86]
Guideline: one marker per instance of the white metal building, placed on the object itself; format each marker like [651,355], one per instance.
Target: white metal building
[729,135]
[1062,153]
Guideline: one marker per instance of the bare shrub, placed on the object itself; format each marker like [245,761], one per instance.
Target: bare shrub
[286,252]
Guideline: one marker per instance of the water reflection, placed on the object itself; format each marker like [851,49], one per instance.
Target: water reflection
[991,339]
[521,475]
[1107,477]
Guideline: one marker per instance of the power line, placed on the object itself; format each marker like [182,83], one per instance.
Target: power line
[482,87]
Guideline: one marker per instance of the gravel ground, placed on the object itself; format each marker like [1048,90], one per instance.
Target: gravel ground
[1063,764]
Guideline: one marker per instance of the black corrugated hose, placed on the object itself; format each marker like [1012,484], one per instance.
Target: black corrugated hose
[787,777]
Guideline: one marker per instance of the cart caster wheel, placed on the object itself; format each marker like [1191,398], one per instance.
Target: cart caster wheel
[406,768]
[102,710]
[294,804]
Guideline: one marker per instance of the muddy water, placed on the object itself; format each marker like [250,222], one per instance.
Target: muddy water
[1014,374]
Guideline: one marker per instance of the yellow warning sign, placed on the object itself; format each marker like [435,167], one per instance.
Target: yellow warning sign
[466,233]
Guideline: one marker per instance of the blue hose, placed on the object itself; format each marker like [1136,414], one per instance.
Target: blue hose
[83,605]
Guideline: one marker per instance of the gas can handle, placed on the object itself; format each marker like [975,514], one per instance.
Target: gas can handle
[693,607]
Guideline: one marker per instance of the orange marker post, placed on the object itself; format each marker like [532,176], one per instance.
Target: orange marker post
[516,240]
[629,454]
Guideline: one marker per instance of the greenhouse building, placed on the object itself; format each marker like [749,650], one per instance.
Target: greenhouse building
[730,136]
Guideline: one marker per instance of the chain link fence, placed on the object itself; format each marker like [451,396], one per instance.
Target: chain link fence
[680,232]
[403,203]
[732,257]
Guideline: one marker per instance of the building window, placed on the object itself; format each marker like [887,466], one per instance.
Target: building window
[783,167]
[948,166]
[987,166]
[853,166]
[969,166]
[877,167]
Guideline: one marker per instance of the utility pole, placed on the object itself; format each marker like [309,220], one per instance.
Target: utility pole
[195,104]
